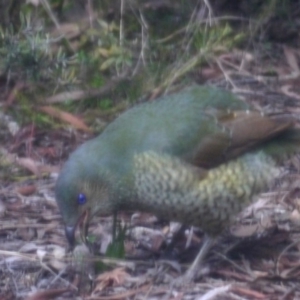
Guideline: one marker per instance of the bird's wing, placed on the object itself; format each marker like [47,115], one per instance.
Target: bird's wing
[239,132]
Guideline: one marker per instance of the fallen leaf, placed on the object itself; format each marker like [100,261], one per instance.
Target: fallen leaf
[48,294]
[112,278]
[66,117]
[244,231]
[291,59]
[29,164]
[26,190]
[295,217]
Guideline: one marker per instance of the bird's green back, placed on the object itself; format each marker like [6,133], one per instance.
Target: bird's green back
[196,125]
[173,124]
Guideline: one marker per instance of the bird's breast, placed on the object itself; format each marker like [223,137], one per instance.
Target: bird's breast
[174,190]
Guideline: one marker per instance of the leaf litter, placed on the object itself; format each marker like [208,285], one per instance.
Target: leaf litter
[258,258]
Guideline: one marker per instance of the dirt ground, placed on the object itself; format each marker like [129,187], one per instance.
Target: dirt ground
[257,258]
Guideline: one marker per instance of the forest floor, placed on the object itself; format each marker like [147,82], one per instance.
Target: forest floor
[258,258]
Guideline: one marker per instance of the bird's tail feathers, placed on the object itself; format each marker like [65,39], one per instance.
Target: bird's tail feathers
[284,145]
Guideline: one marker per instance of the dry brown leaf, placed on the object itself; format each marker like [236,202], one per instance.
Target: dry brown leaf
[112,278]
[244,231]
[29,164]
[66,117]
[295,217]
[26,190]
[249,293]
[210,73]
[33,166]
[144,290]
[291,58]
[47,295]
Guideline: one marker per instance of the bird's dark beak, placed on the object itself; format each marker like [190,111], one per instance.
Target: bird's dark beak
[83,223]
[84,226]
[70,234]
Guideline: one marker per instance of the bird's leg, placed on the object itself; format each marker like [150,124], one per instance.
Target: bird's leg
[192,271]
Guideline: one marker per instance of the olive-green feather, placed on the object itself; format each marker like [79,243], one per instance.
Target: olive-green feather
[197,156]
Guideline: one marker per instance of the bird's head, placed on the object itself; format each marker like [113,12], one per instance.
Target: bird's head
[80,194]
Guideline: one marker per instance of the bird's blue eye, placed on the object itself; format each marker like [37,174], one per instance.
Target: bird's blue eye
[81,199]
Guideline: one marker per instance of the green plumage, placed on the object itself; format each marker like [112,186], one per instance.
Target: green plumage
[175,191]
[181,157]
